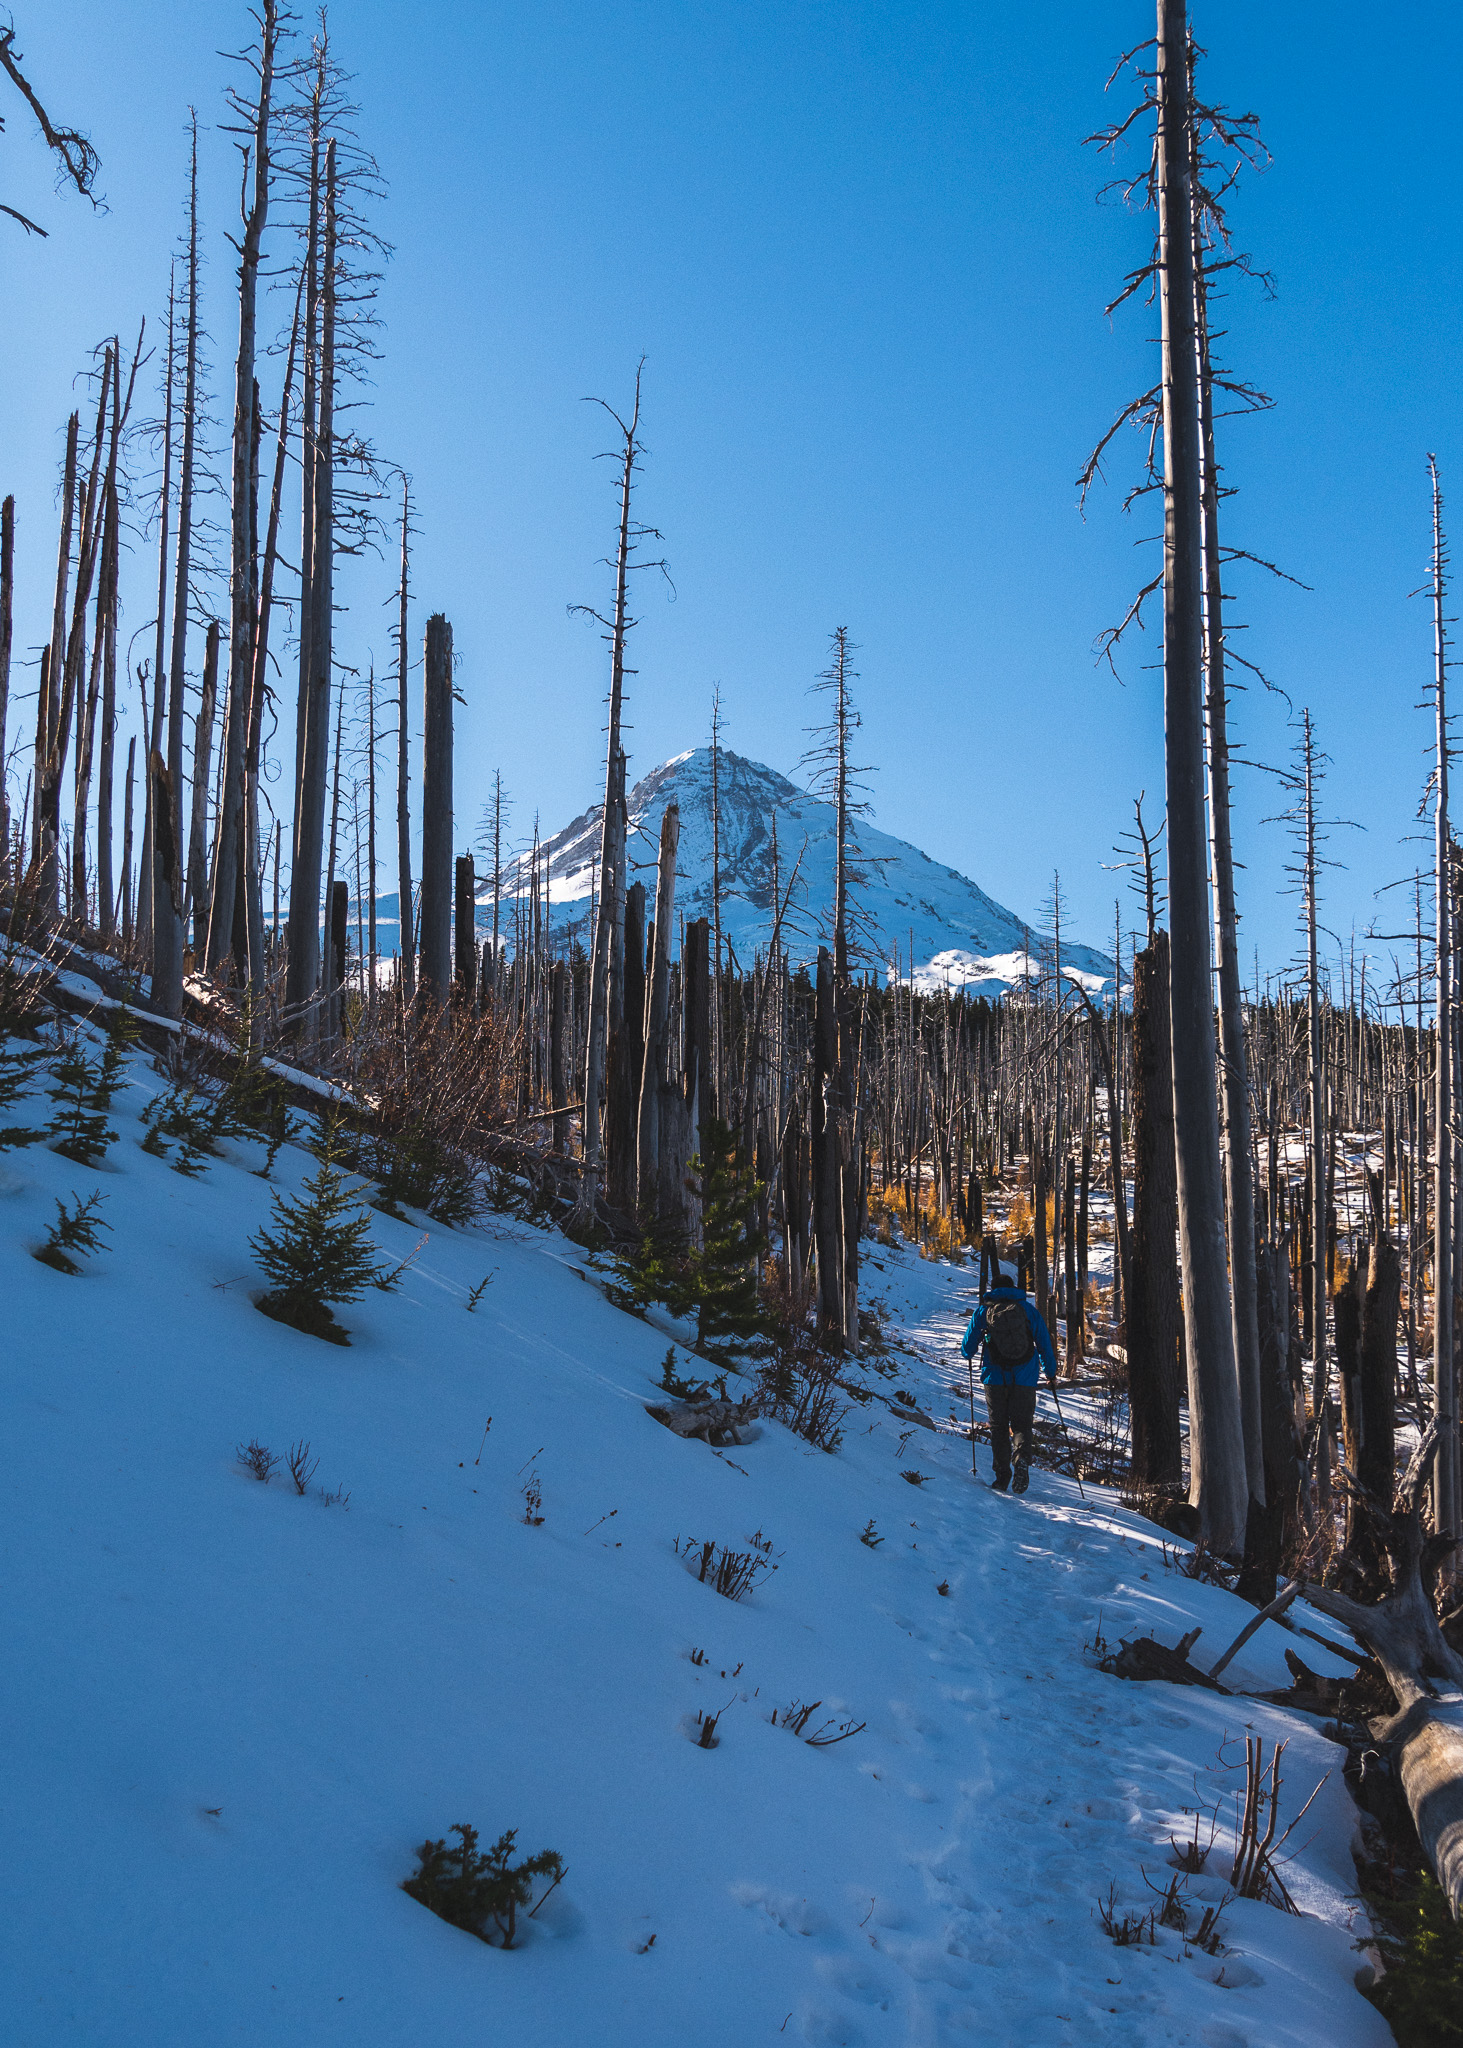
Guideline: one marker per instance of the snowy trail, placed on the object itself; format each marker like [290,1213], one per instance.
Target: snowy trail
[230,1713]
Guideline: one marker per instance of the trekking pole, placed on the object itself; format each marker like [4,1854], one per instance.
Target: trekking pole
[1076,1471]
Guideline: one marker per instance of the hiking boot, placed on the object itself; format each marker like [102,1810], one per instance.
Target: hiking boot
[1021,1480]
[1001,1481]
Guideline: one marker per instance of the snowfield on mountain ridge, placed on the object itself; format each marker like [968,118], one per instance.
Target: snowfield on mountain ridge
[232,1712]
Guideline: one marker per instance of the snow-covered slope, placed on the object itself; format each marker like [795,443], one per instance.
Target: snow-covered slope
[960,937]
[231,1712]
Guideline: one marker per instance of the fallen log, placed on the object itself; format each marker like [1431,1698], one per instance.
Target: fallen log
[1425,1737]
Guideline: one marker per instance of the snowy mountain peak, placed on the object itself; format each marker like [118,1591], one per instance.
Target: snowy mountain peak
[909,906]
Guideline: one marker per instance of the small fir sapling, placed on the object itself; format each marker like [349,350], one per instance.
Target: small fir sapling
[76,1233]
[122,1035]
[276,1128]
[188,1120]
[16,1069]
[729,1313]
[1421,1994]
[79,1128]
[660,1268]
[316,1253]
[671,1382]
[22,994]
[870,1535]
[253,1103]
[419,1170]
[480,1290]
[716,1280]
[480,1891]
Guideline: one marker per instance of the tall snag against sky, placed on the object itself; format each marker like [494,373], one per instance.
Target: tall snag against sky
[335,179]
[1232,142]
[606,963]
[1447,1505]
[231,848]
[1189,217]
[836,1126]
[1217,1462]
[167,774]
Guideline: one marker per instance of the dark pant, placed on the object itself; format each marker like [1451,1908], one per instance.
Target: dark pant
[1012,1411]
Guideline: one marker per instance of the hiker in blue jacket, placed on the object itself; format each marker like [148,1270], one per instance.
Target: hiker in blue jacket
[1015,1348]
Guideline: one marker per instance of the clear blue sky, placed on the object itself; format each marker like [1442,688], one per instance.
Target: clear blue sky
[860,249]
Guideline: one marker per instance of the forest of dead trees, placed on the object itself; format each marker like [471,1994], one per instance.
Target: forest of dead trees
[1237,1204]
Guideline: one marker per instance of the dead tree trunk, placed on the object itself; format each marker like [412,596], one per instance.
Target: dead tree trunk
[1270,1523]
[626,1064]
[698,1092]
[655,1074]
[1153,1297]
[338,930]
[827,1180]
[259,686]
[1447,1492]
[464,934]
[302,979]
[107,609]
[167,878]
[436,935]
[202,758]
[128,922]
[1373,1403]
[1105,1054]
[1217,1465]
[7,605]
[46,816]
[152,729]
[1038,1233]
[1234,1079]
[406,941]
[558,1050]
[606,954]
[231,850]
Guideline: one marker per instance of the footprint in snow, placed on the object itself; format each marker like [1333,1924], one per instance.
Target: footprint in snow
[829,2029]
[785,1910]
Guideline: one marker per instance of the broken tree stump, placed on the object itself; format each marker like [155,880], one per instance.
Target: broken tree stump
[1425,1738]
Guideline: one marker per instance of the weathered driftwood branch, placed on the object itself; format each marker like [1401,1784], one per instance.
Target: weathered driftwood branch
[1146,1658]
[715,1422]
[1424,1671]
